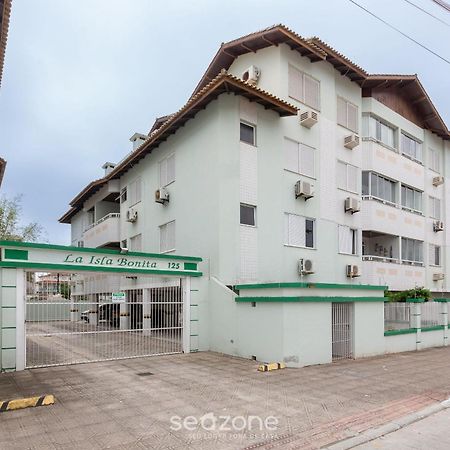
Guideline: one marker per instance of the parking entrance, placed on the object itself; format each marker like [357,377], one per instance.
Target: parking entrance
[65,305]
[75,318]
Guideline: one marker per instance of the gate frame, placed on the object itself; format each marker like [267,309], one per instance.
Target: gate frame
[50,258]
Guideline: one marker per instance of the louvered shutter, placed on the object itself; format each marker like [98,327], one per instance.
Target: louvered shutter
[352,117]
[295,84]
[341,111]
[291,155]
[306,160]
[312,92]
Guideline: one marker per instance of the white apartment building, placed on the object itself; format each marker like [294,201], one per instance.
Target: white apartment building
[288,164]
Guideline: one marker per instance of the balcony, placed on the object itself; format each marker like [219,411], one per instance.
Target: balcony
[105,232]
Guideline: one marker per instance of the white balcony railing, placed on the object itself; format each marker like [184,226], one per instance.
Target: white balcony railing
[103,232]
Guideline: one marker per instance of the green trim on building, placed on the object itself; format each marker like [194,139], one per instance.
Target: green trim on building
[433,328]
[94,250]
[441,300]
[318,299]
[10,287]
[404,331]
[190,266]
[310,286]
[12,253]
[415,300]
[73,268]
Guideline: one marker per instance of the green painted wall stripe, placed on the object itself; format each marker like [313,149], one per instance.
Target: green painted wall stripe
[8,328]
[415,300]
[308,299]
[9,287]
[194,320]
[72,268]
[443,300]
[7,307]
[12,253]
[433,328]
[310,285]
[194,335]
[8,348]
[396,332]
[94,250]
[190,266]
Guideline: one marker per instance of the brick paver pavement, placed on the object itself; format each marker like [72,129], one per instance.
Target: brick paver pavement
[112,405]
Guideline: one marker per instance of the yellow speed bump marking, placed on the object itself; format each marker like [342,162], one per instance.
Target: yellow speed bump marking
[20,403]
[271,366]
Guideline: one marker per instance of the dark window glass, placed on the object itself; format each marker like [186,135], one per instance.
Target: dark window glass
[309,233]
[248,215]
[365,183]
[247,134]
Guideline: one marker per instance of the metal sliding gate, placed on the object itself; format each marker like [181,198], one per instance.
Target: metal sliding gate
[342,330]
[84,317]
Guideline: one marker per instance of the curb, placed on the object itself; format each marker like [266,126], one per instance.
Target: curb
[30,402]
[375,433]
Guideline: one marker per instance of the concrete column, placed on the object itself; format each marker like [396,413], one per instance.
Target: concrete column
[444,317]
[146,312]
[416,312]
[186,292]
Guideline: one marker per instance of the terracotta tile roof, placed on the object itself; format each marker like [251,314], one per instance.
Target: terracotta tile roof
[5,12]
[222,83]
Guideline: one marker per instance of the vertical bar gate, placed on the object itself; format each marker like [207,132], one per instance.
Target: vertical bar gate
[342,330]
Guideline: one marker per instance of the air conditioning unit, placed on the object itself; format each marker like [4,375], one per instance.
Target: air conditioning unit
[251,75]
[162,196]
[438,276]
[438,225]
[352,271]
[132,215]
[305,267]
[351,141]
[437,181]
[304,189]
[352,205]
[308,118]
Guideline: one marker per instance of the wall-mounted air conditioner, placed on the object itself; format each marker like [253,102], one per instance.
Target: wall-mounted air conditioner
[351,141]
[307,118]
[352,271]
[438,225]
[132,215]
[352,205]
[438,276]
[305,267]
[251,75]
[162,196]
[437,181]
[304,189]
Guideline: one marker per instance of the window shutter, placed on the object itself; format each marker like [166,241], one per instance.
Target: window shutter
[295,83]
[352,178]
[163,173]
[341,111]
[306,160]
[171,235]
[352,117]
[345,239]
[312,92]
[431,254]
[163,238]
[291,155]
[170,169]
[296,230]
[341,175]
[138,190]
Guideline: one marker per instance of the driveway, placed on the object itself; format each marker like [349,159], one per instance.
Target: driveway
[142,403]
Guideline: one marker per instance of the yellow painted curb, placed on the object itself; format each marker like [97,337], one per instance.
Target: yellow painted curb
[10,405]
[271,366]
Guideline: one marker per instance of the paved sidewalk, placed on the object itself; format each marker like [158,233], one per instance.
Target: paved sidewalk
[431,433]
[129,403]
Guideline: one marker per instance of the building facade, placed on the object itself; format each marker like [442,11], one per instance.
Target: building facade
[289,163]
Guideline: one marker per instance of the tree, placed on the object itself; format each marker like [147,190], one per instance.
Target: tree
[10,229]
[402,296]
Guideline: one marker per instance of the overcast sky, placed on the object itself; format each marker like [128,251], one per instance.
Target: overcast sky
[81,76]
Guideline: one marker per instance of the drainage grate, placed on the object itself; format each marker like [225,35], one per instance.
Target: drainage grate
[144,374]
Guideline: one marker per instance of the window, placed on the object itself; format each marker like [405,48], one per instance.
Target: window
[411,198]
[379,130]
[134,191]
[123,243]
[80,244]
[347,176]
[248,215]
[167,237]
[435,255]
[348,240]
[411,148]
[435,208]
[304,88]
[347,114]
[379,187]
[435,160]
[136,243]
[248,133]
[123,195]
[299,231]
[412,250]
[167,171]
[299,158]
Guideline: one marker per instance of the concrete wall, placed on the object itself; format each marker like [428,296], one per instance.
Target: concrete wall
[368,329]
[400,343]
